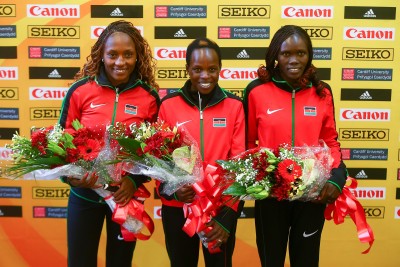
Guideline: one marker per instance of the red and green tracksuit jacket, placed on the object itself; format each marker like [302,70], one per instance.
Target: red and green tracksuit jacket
[96,104]
[218,128]
[278,114]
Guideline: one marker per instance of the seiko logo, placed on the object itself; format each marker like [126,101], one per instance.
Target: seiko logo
[8,93]
[378,54]
[369,192]
[53,11]
[170,53]
[248,12]
[315,12]
[172,74]
[47,93]
[364,114]
[8,73]
[50,192]
[319,33]
[62,32]
[364,134]
[360,33]
[7,10]
[374,212]
[44,113]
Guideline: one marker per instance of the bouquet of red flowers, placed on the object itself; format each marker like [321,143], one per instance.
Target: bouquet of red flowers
[167,154]
[53,152]
[293,173]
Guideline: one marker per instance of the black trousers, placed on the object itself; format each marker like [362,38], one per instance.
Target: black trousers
[183,250]
[84,225]
[280,222]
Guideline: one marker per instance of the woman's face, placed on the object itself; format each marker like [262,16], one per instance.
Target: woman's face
[119,57]
[292,59]
[204,70]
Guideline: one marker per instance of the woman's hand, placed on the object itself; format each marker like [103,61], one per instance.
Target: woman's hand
[87,181]
[217,233]
[125,192]
[185,194]
[329,194]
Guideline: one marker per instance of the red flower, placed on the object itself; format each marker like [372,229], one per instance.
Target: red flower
[39,141]
[289,170]
[72,155]
[90,149]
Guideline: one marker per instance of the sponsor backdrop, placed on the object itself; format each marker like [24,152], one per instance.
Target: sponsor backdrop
[44,43]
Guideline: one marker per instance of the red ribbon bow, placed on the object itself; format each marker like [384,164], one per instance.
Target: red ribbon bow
[205,206]
[136,210]
[347,204]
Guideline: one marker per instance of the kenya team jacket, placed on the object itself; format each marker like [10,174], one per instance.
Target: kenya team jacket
[278,114]
[218,128]
[96,104]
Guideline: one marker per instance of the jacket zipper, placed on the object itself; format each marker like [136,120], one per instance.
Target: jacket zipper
[115,105]
[201,129]
[293,116]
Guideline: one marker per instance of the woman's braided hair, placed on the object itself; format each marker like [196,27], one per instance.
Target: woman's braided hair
[145,64]
[265,73]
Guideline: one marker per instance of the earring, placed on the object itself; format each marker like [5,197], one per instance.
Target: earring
[275,64]
[102,60]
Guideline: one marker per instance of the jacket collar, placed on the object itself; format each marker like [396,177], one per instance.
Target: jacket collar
[283,84]
[102,80]
[213,98]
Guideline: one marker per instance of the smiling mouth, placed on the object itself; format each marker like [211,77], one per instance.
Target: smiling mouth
[205,85]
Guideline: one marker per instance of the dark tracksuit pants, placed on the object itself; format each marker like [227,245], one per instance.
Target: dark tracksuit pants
[278,222]
[84,225]
[183,250]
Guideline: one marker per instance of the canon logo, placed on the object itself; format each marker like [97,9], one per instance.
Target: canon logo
[368,54]
[95,31]
[8,73]
[357,33]
[53,11]
[369,192]
[315,12]
[171,53]
[244,11]
[63,32]
[364,114]
[238,74]
[47,93]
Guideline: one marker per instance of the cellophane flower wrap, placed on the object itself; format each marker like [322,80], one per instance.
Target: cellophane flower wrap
[167,154]
[291,173]
[52,152]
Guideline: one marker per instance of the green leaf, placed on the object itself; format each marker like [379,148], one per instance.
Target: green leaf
[76,124]
[129,144]
[235,189]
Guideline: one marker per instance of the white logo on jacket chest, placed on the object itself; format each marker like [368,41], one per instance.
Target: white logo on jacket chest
[92,105]
[272,111]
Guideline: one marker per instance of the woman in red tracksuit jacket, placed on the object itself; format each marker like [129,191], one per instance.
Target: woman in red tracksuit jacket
[215,119]
[287,104]
[115,85]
